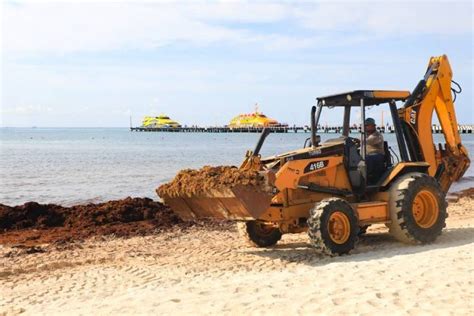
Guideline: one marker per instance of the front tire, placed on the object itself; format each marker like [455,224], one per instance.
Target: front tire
[417,209]
[333,226]
[259,234]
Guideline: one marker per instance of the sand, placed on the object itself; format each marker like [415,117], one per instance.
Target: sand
[208,271]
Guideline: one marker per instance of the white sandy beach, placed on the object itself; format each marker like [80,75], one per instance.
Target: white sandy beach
[212,272]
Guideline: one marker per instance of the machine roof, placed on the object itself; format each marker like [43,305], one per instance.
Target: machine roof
[371,97]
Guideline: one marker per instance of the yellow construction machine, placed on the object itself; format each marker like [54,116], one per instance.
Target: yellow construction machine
[324,189]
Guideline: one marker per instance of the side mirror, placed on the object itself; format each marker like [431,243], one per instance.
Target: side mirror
[307,142]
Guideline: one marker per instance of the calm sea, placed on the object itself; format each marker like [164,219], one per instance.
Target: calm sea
[69,166]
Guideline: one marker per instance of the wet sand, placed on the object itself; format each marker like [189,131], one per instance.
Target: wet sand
[203,270]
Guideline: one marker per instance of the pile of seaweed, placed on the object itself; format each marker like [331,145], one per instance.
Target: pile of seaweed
[33,223]
[191,182]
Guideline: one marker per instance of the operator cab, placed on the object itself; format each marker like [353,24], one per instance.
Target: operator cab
[355,149]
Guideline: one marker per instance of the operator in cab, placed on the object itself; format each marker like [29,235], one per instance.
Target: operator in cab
[375,151]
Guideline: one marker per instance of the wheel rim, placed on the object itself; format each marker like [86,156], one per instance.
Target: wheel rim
[339,227]
[425,209]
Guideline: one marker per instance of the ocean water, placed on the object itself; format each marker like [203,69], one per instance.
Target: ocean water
[69,166]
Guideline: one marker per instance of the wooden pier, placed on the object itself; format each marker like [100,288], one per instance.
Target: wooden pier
[436,129]
[219,129]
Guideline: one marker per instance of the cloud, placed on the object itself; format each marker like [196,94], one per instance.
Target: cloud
[390,17]
[93,62]
[60,28]
[65,28]
[26,110]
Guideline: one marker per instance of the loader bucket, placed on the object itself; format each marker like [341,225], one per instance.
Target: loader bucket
[237,203]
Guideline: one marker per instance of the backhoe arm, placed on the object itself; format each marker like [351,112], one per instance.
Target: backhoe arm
[433,93]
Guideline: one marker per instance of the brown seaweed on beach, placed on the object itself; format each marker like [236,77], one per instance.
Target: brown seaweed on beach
[456,196]
[34,224]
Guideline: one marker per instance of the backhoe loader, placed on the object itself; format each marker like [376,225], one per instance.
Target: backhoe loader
[324,189]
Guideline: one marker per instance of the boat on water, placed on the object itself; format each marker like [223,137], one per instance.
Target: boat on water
[255,119]
[160,121]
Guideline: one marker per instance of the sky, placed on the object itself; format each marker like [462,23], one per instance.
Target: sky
[98,63]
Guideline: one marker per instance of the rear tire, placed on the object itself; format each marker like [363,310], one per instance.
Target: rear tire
[258,234]
[417,209]
[333,227]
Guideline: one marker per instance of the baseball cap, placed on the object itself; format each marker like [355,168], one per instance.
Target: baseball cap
[369,121]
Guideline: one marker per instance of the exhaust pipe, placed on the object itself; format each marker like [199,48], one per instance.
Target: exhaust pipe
[313,126]
[265,133]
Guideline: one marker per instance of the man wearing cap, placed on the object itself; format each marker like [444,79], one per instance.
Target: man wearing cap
[375,151]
